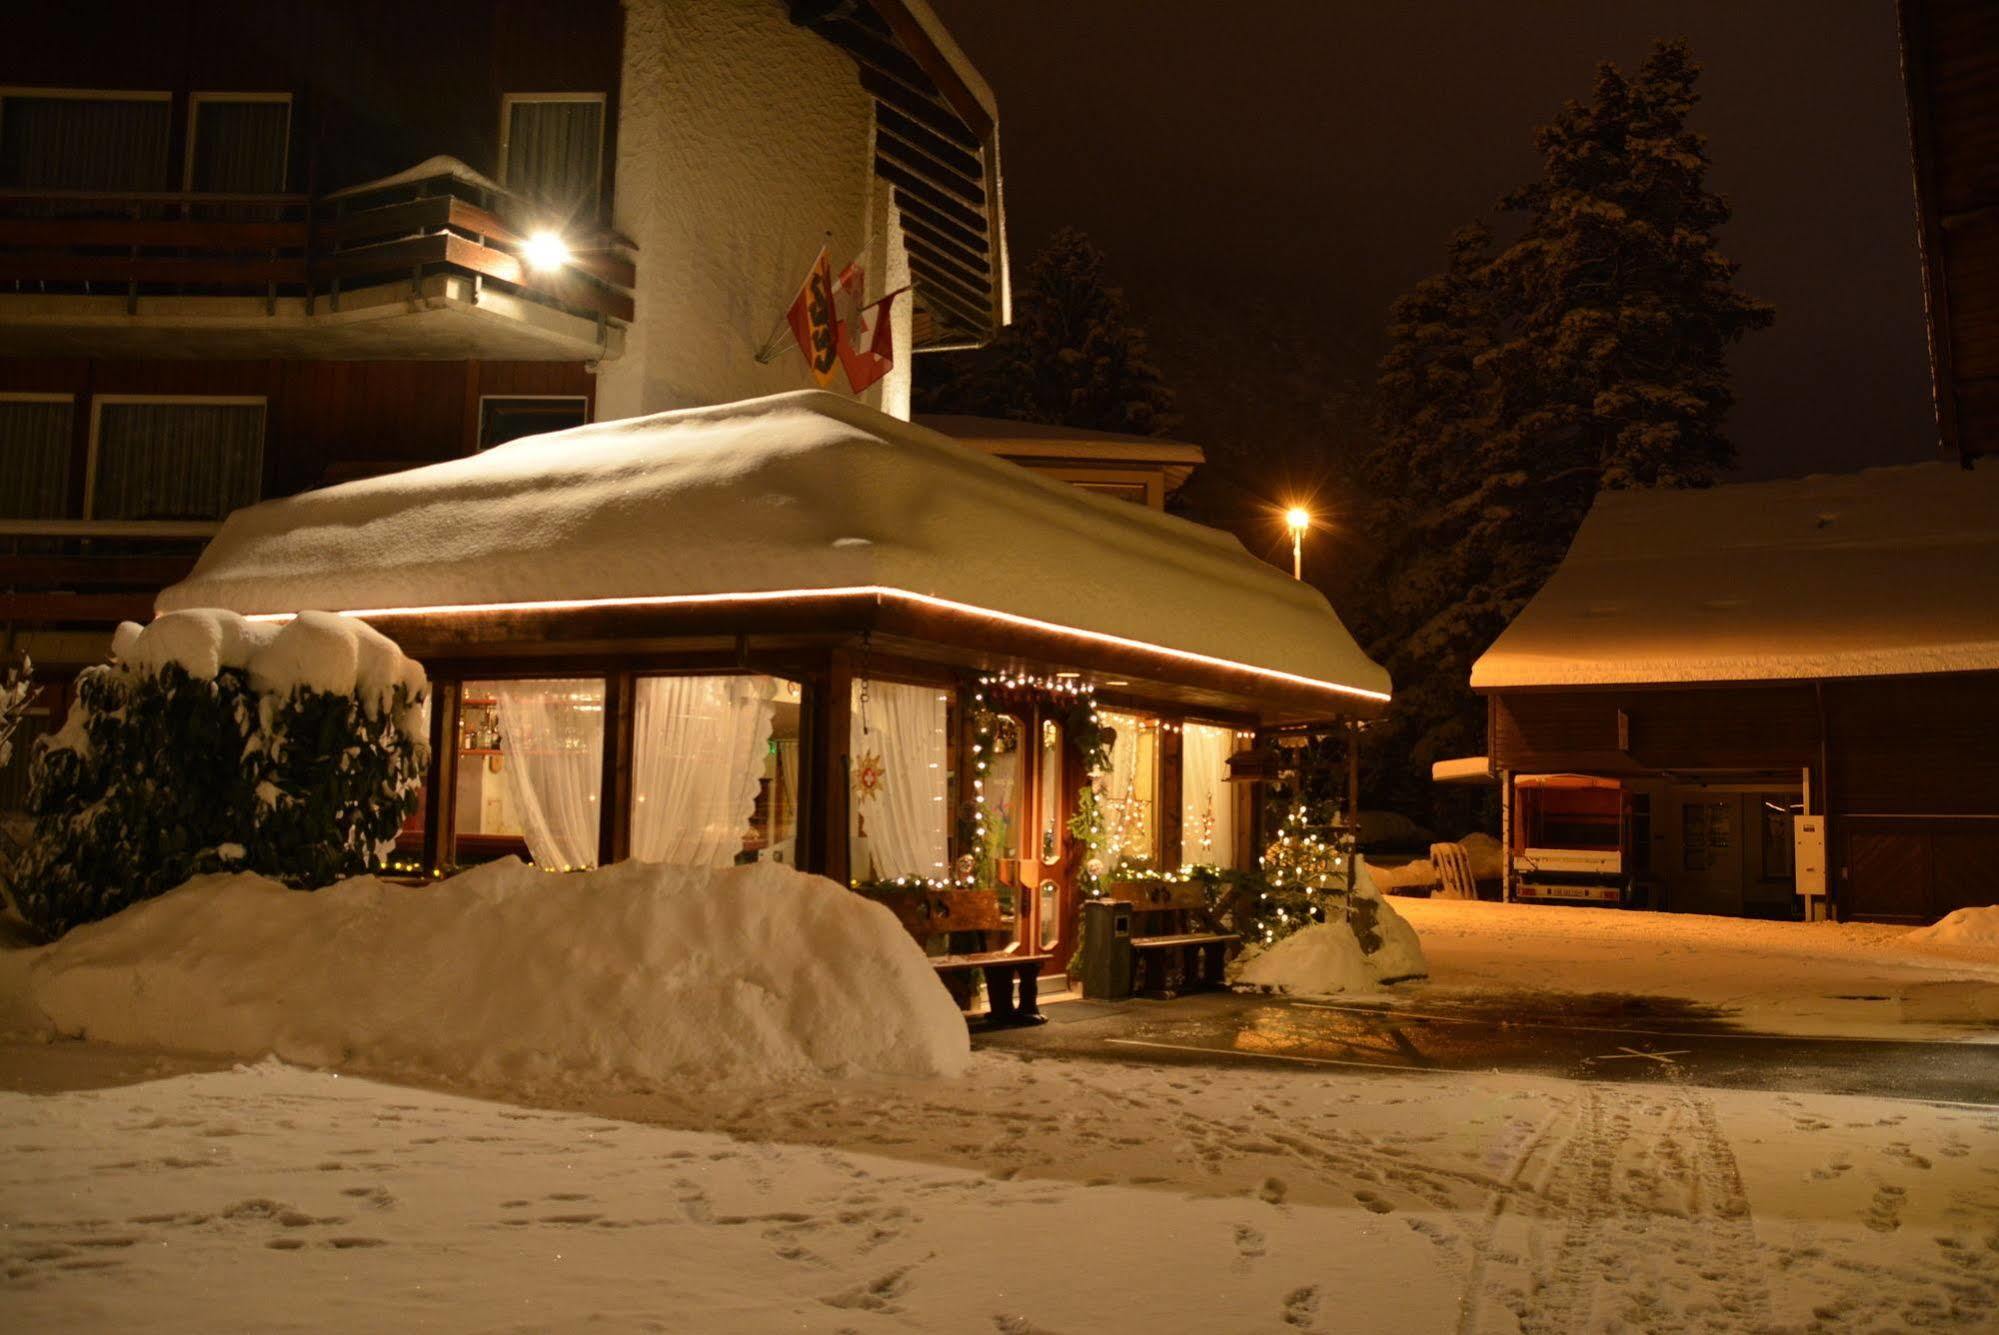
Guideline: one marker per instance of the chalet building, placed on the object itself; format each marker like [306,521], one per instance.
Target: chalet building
[250,248]
[473,325]
[1769,699]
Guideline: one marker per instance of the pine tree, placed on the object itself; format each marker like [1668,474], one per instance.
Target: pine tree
[1072,355]
[1588,353]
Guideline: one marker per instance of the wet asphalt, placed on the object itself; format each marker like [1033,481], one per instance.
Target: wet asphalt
[1599,1037]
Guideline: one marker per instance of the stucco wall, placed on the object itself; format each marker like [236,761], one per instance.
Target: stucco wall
[743,142]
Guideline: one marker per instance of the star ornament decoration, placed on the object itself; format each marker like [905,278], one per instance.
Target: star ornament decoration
[870,777]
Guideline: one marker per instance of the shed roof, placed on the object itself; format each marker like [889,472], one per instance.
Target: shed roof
[796,493]
[1884,572]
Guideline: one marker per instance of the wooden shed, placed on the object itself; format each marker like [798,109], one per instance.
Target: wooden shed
[1713,680]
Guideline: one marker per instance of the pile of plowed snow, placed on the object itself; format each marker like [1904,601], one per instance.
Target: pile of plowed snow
[1972,928]
[1338,955]
[631,975]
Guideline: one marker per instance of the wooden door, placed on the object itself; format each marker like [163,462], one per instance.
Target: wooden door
[1885,874]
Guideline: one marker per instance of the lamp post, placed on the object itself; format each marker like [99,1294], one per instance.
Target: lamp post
[1298,519]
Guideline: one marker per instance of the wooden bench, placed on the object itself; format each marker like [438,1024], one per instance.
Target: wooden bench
[965,937]
[1175,944]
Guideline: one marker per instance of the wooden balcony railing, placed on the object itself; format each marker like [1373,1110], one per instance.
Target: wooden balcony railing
[293,246]
[93,571]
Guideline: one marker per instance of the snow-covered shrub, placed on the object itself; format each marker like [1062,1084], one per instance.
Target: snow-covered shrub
[211,743]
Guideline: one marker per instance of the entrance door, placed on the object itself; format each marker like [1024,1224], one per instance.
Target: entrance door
[1706,871]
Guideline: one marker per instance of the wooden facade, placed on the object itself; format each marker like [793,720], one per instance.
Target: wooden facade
[1905,770]
[1950,64]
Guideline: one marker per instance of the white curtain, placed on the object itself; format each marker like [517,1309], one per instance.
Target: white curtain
[699,748]
[899,796]
[1124,793]
[1207,803]
[552,749]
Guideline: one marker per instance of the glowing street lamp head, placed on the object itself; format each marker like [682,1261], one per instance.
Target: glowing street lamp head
[1298,519]
[545,250]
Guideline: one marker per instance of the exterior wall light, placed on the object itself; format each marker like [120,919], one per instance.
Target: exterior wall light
[545,250]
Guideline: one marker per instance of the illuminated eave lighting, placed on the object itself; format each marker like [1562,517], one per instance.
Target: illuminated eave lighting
[877,591]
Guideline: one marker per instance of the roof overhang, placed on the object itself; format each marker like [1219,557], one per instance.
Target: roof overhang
[937,146]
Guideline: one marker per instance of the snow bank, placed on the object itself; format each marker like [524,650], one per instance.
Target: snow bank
[1329,957]
[631,975]
[314,650]
[1976,928]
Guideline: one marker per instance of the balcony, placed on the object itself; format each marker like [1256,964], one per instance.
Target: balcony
[432,263]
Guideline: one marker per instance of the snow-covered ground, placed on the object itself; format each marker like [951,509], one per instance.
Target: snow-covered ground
[1862,980]
[1026,1196]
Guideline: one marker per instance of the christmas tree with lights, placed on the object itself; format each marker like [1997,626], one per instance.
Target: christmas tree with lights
[1307,873]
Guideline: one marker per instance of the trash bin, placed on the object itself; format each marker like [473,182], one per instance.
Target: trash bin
[1106,949]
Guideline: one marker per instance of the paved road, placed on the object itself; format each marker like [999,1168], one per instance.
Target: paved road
[1587,1038]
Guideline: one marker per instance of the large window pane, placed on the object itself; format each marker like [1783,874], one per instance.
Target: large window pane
[84,143]
[714,770]
[34,458]
[177,460]
[552,151]
[239,146]
[1207,803]
[1128,791]
[899,807]
[530,770]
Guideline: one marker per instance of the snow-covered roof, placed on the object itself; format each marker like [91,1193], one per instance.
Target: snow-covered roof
[803,491]
[1883,572]
[429,168]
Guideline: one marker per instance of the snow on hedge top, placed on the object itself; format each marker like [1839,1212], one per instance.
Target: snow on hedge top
[315,651]
[506,975]
[1886,571]
[796,491]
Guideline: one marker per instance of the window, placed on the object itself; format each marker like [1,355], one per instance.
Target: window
[1128,791]
[531,770]
[1207,803]
[1051,816]
[899,793]
[1003,785]
[35,433]
[76,139]
[715,770]
[174,458]
[551,145]
[505,419]
[238,143]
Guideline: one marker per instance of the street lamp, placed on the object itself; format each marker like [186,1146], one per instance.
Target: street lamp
[1298,519]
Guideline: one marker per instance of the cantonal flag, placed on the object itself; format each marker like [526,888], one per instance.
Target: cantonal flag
[814,323]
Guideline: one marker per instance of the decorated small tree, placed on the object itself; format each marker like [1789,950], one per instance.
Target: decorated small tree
[211,743]
[1307,872]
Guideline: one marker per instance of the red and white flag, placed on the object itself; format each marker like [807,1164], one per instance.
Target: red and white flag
[866,339]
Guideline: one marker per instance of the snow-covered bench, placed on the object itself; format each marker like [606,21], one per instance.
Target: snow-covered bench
[967,939]
[1175,944]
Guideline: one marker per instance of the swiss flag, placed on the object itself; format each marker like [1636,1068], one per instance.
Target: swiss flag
[866,340]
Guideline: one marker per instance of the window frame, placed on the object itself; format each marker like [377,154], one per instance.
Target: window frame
[97,402]
[603,101]
[194,101]
[25,91]
[479,445]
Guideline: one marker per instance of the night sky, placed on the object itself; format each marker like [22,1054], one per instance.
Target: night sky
[1266,177]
